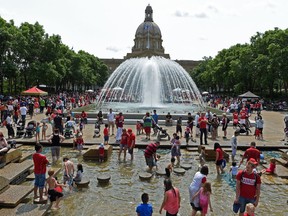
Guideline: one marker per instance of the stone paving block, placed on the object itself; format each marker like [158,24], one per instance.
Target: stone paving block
[93,152]
[32,176]
[25,155]
[14,170]
[12,156]
[13,195]
[26,210]
[3,182]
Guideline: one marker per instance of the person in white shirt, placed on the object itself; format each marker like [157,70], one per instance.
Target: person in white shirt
[234,169]
[111,118]
[23,112]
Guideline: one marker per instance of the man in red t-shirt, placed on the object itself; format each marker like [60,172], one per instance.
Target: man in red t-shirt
[202,121]
[251,152]
[247,186]
[40,163]
[131,142]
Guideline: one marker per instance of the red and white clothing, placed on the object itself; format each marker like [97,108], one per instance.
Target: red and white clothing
[247,184]
[271,168]
[131,140]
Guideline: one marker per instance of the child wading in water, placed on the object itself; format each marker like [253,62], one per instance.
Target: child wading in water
[170,167]
[78,177]
[271,169]
[144,208]
[204,197]
[56,196]
[250,209]
[234,169]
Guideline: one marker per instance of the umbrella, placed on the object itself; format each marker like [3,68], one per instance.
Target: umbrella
[42,86]
[89,90]
[34,91]
[177,90]
[205,93]
[117,88]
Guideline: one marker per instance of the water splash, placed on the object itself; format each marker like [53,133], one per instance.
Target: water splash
[154,82]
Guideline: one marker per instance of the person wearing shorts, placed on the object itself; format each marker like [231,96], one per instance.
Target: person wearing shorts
[40,163]
[55,139]
[123,143]
[150,154]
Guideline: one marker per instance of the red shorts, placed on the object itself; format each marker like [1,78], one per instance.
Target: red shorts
[257,132]
[147,130]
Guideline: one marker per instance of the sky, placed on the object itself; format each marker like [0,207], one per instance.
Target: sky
[191,29]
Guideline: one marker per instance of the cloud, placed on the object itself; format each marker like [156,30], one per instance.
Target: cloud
[201,15]
[113,49]
[202,38]
[213,8]
[181,14]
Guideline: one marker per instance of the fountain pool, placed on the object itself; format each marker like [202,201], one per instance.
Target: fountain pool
[123,193]
[142,84]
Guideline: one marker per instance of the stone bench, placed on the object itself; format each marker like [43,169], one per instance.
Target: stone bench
[25,156]
[92,152]
[16,172]
[282,161]
[26,209]
[12,195]
[12,155]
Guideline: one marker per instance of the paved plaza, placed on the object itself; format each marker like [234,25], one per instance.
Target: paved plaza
[273,134]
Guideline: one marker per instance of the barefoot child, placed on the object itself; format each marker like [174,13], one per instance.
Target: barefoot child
[138,127]
[68,172]
[44,129]
[272,167]
[250,209]
[78,177]
[55,196]
[80,143]
[37,132]
[106,134]
[234,169]
[101,152]
[170,167]
[204,197]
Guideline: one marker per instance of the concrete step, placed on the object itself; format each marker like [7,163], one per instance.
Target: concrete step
[13,195]
[16,172]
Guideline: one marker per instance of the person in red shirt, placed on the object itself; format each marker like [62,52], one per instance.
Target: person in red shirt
[123,143]
[40,163]
[247,186]
[84,116]
[106,134]
[219,158]
[202,121]
[101,152]
[251,152]
[131,142]
[235,119]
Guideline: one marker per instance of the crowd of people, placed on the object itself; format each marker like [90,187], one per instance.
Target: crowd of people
[200,190]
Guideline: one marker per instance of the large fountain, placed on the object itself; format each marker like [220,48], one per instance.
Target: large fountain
[143,84]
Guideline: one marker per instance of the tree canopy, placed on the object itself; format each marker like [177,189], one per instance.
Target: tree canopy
[260,66]
[29,57]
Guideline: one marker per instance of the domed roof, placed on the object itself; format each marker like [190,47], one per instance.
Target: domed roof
[144,27]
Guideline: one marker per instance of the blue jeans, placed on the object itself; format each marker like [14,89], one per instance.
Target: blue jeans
[243,201]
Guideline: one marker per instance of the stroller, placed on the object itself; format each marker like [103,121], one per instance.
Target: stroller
[30,129]
[20,128]
[68,130]
[243,129]
[161,133]
[97,130]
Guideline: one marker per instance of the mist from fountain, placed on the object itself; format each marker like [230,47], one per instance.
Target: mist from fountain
[150,83]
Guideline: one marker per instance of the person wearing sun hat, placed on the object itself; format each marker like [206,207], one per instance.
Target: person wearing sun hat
[247,187]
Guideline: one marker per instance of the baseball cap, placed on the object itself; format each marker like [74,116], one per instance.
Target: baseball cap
[253,161]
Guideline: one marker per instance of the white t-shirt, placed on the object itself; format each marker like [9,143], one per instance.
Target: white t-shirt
[23,110]
[234,170]
[111,117]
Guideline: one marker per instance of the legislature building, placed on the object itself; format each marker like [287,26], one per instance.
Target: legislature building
[147,43]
